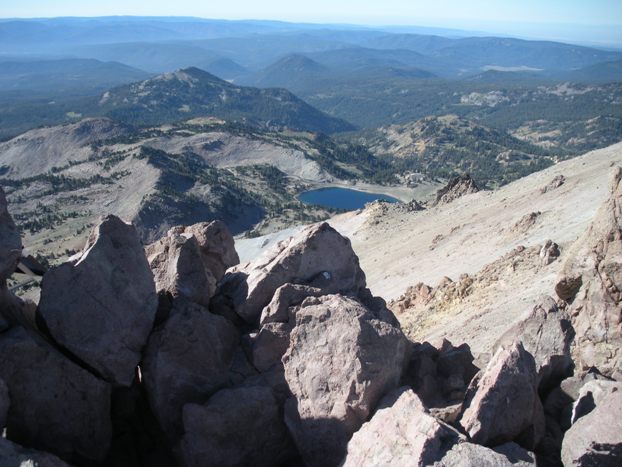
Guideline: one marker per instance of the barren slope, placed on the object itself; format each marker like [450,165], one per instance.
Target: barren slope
[398,248]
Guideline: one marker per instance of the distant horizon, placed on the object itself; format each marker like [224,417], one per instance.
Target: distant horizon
[511,29]
[574,21]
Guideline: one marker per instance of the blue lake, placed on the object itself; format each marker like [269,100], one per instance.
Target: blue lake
[342,198]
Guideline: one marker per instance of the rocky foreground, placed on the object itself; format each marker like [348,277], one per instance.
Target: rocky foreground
[174,354]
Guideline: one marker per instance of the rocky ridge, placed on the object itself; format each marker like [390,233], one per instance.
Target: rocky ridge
[286,360]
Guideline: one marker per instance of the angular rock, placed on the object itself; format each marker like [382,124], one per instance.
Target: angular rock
[217,246]
[101,307]
[237,427]
[270,344]
[596,438]
[55,406]
[318,256]
[342,358]
[556,182]
[595,269]
[186,360]
[503,404]
[284,297]
[13,455]
[456,188]
[591,395]
[401,432]
[10,241]
[547,335]
[549,252]
[468,455]
[179,269]
[4,404]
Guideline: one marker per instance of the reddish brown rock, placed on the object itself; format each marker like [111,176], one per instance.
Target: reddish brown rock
[55,406]
[342,358]
[186,360]
[237,427]
[547,335]
[596,438]
[101,306]
[318,257]
[401,432]
[179,269]
[503,404]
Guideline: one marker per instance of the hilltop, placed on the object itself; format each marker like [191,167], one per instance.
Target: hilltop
[192,92]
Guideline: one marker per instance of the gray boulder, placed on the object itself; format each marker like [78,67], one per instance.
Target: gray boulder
[13,455]
[401,432]
[237,427]
[318,257]
[342,358]
[10,241]
[186,360]
[591,280]
[179,269]
[502,404]
[55,406]
[547,335]
[591,395]
[471,455]
[596,438]
[217,246]
[101,307]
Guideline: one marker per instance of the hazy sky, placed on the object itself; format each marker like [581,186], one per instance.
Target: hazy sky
[525,17]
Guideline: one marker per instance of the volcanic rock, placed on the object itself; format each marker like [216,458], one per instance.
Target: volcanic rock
[55,406]
[456,188]
[596,438]
[468,454]
[503,404]
[237,427]
[546,334]
[401,432]
[179,268]
[101,307]
[186,360]
[342,358]
[319,257]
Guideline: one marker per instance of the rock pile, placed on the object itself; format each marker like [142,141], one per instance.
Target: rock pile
[174,355]
[456,188]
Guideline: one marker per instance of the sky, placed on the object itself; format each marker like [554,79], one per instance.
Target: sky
[578,20]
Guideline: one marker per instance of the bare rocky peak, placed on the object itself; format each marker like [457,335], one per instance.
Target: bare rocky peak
[456,188]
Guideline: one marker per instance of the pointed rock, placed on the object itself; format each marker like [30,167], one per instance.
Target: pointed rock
[503,404]
[546,334]
[217,246]
[468,454]
[342,358]
[179,269]
[101,306]
[318,256]
[401,432]
[55,406]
